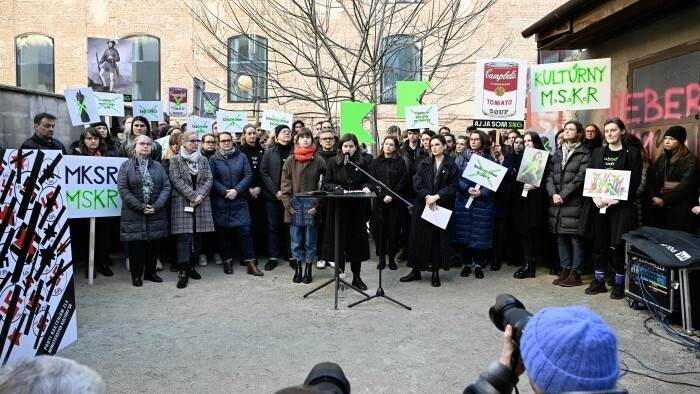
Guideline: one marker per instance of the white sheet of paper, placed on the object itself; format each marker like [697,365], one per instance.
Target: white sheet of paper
[439,217]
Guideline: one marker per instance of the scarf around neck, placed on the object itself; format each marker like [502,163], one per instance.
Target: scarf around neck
[304,154]
[227,153]
[192,159]
[567,148]
[146,181]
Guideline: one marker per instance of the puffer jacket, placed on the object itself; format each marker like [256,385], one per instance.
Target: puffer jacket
[568,183]
[135,225]
[473,226]
[271,172]
[231,173]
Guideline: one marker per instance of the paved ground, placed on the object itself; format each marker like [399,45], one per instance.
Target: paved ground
[241,334]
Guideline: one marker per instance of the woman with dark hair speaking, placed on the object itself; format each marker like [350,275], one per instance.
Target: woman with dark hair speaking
[620,215]
[354,244]
[435,183]
[674,181]
[390,169]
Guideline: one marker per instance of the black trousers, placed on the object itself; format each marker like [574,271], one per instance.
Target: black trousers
[188,247]
[142,257]
[603,249]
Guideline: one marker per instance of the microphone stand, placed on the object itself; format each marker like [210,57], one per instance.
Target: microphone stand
[380,185]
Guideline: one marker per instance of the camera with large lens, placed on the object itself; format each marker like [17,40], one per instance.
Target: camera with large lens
[509,310]
[328,378]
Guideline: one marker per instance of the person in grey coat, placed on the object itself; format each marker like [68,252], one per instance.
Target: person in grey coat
[191,208]
[565,176]
[144,189]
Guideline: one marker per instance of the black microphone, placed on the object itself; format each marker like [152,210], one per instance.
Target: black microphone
[347,159]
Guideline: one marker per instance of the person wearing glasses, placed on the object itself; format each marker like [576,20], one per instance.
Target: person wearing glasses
[208,146]
[254,151]
[191,215]
[144,188]
[231,179]
[271,172]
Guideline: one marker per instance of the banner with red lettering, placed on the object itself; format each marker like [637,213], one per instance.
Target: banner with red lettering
[499,96]
[37,298]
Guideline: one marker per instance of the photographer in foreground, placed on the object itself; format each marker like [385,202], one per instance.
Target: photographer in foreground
[564,349]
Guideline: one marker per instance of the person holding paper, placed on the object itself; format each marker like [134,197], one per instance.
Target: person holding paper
[673,180]
[191,215]
[430,247]
[620,215]
[565,188]
[530,211]
[474,225]
[390,169]
[302,173]
[354,244]
[144,188]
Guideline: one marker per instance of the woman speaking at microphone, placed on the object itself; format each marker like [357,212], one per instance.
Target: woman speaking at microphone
[354,245]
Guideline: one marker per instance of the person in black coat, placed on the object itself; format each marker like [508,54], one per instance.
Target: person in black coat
[390,169]
[435,184]
[354,244]
[530,213]
[250,146]
[621,215]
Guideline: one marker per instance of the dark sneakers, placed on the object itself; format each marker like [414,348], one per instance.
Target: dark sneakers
[596,287]
[618,291]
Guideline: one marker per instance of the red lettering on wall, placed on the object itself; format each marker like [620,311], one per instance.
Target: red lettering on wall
[648,106]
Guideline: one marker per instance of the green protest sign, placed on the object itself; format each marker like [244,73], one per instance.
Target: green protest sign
[351,116]
[408,93]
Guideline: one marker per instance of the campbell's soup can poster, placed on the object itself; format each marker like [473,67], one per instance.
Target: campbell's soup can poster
[499,99]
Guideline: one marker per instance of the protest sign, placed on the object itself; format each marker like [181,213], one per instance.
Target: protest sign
[484,172]
[532,166]
[231,121]
[82,106]
[151,110]
[566,86]
[422,117]
[209,105]
[271,119]
[109,104]
[499,96]
[199,125]
[163,142]
[611,184]
[351,116]
[38,313]
[177,101]
[408,93]
[91,186]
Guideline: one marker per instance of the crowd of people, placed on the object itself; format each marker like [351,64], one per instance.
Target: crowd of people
[186,203]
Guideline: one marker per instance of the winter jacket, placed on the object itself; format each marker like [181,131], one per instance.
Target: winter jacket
[568,183]
[676,213]
[300,176]
[35,142]
[184,192]
[231,173]
[271,172]
[135,225]
[473,226]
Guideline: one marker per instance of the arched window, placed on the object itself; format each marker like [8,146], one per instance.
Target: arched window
[401,62]
[145,67]
[35,66]
[247,69]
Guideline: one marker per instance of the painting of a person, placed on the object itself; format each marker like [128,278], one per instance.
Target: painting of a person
[108,65]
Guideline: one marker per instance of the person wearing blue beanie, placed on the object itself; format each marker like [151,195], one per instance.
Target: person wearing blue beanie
[563,349]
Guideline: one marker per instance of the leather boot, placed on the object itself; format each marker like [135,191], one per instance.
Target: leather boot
[413,275]
[307,274]
[228,269]
[392,263]
[182,280]
[297,272]
[436,277]
[564,274]
[253,269]
[526,271]
[194,274]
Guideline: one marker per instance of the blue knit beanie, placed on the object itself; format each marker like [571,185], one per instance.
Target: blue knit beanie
[570,349]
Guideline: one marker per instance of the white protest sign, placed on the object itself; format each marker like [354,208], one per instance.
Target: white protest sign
[271,119]
[91,186]
[421,116]
[610,184]
[484,172]
[163,142]
[579,85]
[109,104]
[151,110]
[82,106]
[231,121]
[199,125]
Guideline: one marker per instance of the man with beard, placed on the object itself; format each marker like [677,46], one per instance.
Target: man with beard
[250,146]
[271,173]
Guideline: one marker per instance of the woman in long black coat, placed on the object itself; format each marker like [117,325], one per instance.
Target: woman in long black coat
[435,183]
[621,215]
[354,244]
[390,169]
